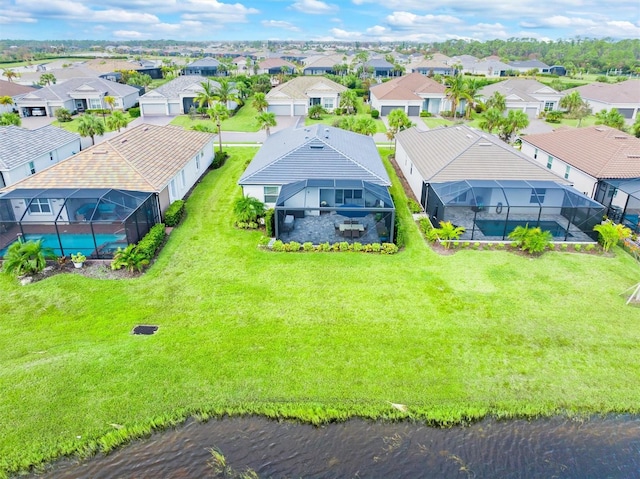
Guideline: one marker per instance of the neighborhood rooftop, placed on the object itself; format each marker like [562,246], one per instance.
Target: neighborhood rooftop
[316,152]
[60,91]
[19,145]
[599,151]
[173,88]
[144,158]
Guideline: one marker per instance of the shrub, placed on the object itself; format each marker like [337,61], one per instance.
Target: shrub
[500,246]
[564,246]
[551,246]
[134,112]
[466,244]
[294,246]
[344,246]
[268,221]
[425,114]
[389,248]
[425,225]
[602,79]
[447,231]
[490,245]
[577,247]
[532,240]
[476,245]
[152,241]
[357,247]
[399,233]
[375,113]
[326,246]
[203,128]
[174,213]
[278,245]
[248,208]
[553,116]
[414,206]
[131,258]
[63,115]
[611,233]
[335,247]
[376,247]
[26,257]
[219,159]
[307,246]
[455,244]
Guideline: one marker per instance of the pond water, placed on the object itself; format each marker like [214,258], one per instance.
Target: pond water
[557,447]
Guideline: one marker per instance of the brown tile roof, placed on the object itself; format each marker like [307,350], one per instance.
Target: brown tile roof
[144,158]
[108,65]
[624,92]
[407,87]
[297,88]
[599,151]
[12,89]
[275,63]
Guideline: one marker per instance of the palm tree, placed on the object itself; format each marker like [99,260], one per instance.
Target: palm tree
[207,96]
[10,74]
[110,101]
[612,118]
[447,232]
[348,101]
[470,94]
[316,112]
[248,209]
[117,120]
[26,257]
[491,120]
[571,102]
[47,79]
[225,93]
[90,125]
[497,101]
[6,100]
[366,126]
[10,119]
[266,120]
[454,91]
[398,121]
[218,113]
[516,120]
[260,102]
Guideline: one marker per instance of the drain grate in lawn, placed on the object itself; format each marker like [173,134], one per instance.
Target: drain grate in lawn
[146,330]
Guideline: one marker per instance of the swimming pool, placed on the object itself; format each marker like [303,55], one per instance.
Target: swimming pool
[500,227]
[73,243]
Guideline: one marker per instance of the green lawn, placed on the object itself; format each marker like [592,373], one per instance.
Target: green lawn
[433,122]
[331,119]
[244,120]
[73,124]
[313,336]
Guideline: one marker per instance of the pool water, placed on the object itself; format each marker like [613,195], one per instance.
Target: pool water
[74,243]
[497,227]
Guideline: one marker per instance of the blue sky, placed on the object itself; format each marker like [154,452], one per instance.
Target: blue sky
[347,20]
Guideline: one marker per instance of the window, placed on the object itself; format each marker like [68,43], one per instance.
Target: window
[535,153]
[548,105]
[461,198]
[95,103]
[40,206]
[183,181]
[348,196]
[549,161]
[174,192]
[566,172]
[328,103]
[537,195]
[270,194]
[31,168]
[51,155]
[315,101]
[198,161]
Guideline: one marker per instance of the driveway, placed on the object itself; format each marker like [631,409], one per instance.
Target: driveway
[34,122]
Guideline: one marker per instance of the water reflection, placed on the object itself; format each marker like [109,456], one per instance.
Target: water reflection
[597,448]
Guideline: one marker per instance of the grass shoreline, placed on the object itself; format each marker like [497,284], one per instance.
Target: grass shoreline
[312,337]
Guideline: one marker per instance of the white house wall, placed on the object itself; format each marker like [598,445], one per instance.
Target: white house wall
[411,173]
[20,206]
[184,180]
[257,191]
[41,162]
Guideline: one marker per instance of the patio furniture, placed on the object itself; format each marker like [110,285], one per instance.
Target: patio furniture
[288,223]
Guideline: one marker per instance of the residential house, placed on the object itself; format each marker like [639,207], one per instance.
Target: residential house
[430,67]
[529,96]
[379,68]
[77,94]
[206,67]
[488,68]
[525,66]
[108,195]
[110,68]
[294,97]
[476,181]
[25,152]
[321,64]
[275,66]
[623,96]
[601,162]
[13,90]
[411,93]
[176,97]
[318,178]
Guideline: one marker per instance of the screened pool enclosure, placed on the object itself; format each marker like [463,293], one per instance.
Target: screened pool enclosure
[622,200]
[490,209]
[320,211]
[94,222]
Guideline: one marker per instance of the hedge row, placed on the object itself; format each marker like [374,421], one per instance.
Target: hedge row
[174,213]
[293,246]
[152,241]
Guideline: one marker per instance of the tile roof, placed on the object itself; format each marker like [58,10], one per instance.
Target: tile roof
[18,146]
[205,62]
[144,158]
[462,153]
[427,64]
[108,65]
[529,64]
[297,88]
[60,91]
[275,63]
[599,151]
[12,89]
[624,92]
[520,87]
[407,87]
[324,61]
[315,152]
[173,88]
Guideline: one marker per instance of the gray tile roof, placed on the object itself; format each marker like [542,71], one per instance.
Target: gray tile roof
[205,62]
[315,152]
[529,64]
[173,88]
[18,146]
[521,87]
[462,153]
[60,91]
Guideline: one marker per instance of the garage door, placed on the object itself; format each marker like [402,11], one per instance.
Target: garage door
[174,108]
[388,109]
[414,111]
[280,110]
[532,112]
[299,110]
[151,109]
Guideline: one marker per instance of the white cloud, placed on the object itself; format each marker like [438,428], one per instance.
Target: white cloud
[132,34]
[122,16]
[411,20]
[11,16]
[377,30]
[280,24]
[343,34]
[314,7]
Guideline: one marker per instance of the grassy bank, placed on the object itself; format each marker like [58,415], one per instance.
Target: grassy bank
[313,336]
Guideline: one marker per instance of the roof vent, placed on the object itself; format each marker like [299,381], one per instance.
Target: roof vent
[469,135]
[633,155]
[146,129]
[103,152]
[620,137]
[317,147]
[484,143]
[124,141]
[599,129]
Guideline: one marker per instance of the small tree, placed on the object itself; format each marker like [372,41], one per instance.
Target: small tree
[26,257]
[130,258]
[7,100]
[316,112]
[218,114]
[117,120]
[398,121]
[491,120]
[248,209]
[259,101]
[348,101]
[10,119]
[110,101]
[47,79]
[515,121]
[266,120]
[365,126]
[612,118]
[611,233]
[532,240]
[447,232]
[63,115]
[90,125]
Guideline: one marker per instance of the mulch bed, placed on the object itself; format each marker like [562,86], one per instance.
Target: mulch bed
[97,269]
